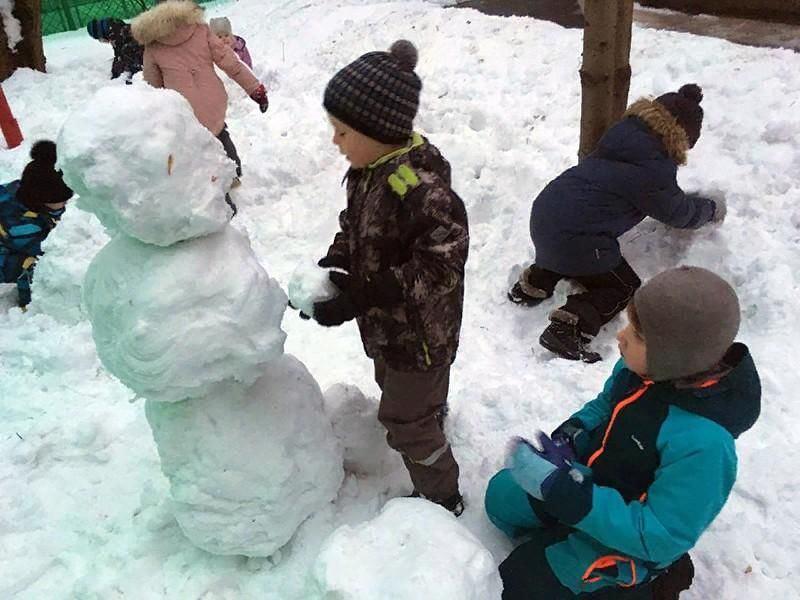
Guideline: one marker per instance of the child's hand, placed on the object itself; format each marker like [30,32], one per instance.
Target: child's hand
[534,464]
[260,96]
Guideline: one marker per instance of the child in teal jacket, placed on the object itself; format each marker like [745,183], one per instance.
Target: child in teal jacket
[626,486]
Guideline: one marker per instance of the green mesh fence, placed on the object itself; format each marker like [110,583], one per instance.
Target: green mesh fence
[68,15]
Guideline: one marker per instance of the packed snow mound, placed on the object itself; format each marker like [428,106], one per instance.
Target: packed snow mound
[310,284]
[141,162]
[183,321]
[245,470]
[414,549]
[354,417]
[68,251]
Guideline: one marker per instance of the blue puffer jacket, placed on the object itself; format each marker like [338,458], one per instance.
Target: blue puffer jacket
[22,232]
[577,218]
[662,462]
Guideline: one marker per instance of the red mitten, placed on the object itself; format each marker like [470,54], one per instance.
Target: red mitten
[260,96]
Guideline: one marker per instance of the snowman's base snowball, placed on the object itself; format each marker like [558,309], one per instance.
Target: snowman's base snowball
[248,466]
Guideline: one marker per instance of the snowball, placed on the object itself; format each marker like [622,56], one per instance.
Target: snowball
[355,422]
[246,467]
[68,251]
[414,549]
[179,322]
[309,284]
[145,166]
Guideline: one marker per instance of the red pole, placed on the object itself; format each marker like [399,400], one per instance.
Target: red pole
[8,123]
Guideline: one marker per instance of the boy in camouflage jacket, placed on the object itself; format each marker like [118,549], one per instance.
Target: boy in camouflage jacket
[403,244]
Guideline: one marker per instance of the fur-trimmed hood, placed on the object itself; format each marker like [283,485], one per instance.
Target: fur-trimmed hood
[162,22]
[663,124]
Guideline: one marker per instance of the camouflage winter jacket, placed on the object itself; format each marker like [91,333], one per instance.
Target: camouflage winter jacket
[402,215]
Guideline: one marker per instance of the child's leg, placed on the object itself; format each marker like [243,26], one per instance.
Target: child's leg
[508,507]
[16,268]
[534,285]
[410,409]
[606,295]
[227,143]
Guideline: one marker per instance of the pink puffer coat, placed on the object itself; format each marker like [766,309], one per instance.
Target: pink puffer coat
[180,53]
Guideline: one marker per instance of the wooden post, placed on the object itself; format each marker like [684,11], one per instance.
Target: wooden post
[8,123]
[597,70]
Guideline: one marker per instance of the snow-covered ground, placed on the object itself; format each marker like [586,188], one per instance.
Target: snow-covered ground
[84,507]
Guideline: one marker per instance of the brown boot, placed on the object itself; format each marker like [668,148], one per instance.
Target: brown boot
[676,579]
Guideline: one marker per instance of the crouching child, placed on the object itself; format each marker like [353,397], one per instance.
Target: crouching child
[577,218]
[618,495]
[29,209]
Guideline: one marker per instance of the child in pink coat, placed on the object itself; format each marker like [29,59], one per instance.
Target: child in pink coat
[180,52]
[221,27]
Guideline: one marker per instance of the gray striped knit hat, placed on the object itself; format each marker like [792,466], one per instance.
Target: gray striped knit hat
[378,94]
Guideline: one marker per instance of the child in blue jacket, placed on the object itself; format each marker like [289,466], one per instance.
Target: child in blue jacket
[577,218]
[29,209]
[615,499]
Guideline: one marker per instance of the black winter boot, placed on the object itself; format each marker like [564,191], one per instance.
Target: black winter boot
[527,292]
[455,503]
[567,340]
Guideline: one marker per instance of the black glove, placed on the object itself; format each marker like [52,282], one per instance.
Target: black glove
[381,290]
[340,262]
[336,311]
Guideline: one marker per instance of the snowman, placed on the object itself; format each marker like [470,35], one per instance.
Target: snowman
[184,315]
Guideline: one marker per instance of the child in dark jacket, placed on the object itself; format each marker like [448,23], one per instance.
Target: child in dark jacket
[577,218]
[221,27]
[625,487]
[403,243]
[128,53]
[29,209]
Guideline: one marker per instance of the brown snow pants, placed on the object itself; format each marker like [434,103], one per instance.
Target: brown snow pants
[412,409]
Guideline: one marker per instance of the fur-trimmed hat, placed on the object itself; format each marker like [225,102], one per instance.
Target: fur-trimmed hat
[41,183]
[685,107]
[689,318]
[378,94]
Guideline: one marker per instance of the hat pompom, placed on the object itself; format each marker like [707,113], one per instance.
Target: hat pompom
[44,151]
[691,91]
[406,54]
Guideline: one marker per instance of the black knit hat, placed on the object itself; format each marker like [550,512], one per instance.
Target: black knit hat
[41,184]
[378,94]
[685,107]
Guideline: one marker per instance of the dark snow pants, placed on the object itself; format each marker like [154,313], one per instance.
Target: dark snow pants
[604,295]
[227,143]
[412,409]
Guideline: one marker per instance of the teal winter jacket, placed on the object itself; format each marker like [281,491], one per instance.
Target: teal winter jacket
[660,463]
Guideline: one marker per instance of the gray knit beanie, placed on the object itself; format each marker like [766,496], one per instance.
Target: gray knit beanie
[378,94]
[689,318]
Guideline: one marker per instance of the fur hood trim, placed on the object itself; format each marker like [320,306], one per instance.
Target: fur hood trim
[164,19]
[661,121]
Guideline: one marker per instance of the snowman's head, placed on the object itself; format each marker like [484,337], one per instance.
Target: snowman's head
[140,160]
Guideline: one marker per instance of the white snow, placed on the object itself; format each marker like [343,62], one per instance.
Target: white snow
[85,505]
[150,170]
[413,549]
[68,250]
[247,468]
[11,24]
[186,320]
[354,417]
[308,285]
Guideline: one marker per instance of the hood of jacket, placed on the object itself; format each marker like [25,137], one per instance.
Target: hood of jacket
[170,22]
[661,122]
[734,402]
[420,154]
